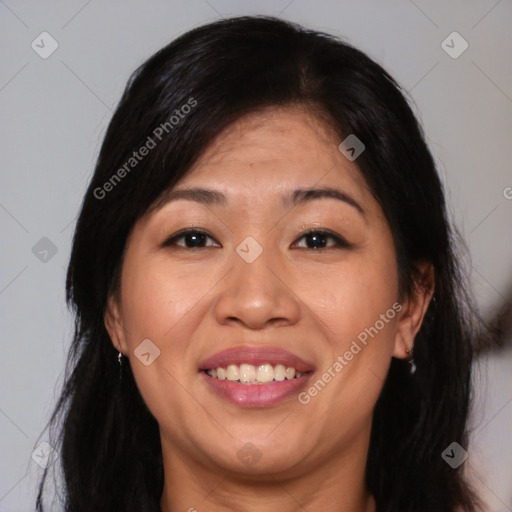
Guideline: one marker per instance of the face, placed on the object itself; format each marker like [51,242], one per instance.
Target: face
[279,272]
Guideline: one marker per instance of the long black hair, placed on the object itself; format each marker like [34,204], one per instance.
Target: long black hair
[174,105]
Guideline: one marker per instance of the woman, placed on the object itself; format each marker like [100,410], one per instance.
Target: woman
[269,312]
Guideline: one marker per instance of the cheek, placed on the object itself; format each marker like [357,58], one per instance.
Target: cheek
[164,306]
[157,297]
[351,298]
[354,304]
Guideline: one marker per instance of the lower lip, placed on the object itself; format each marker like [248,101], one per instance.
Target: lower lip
[256,395]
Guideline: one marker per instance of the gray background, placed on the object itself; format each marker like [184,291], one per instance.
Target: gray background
[54,113]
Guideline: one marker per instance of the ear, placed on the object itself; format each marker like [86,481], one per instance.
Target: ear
[114,324]
[413,311]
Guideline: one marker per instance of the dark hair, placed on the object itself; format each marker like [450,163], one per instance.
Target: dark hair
[223,71]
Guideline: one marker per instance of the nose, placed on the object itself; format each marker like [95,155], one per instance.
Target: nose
[256,295]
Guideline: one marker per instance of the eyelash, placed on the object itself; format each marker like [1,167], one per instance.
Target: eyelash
[340,242]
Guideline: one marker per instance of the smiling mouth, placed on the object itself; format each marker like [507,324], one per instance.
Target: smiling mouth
[249,374]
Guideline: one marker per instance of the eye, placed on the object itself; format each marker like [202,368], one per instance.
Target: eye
[191,239]
[318,239]
[314,239]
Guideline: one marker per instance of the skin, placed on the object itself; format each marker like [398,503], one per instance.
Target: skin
[193,302]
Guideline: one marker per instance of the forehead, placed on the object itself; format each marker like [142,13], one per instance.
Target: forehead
[280,146]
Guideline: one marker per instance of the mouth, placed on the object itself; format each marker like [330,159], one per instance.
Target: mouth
[255,377]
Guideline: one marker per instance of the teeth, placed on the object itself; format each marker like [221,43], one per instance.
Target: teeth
[250,374]
[265,373]
[232,373]
[290,373]
[279,372]
[247,373]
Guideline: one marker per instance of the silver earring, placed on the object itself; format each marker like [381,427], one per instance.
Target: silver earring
[412,369]
[119,360]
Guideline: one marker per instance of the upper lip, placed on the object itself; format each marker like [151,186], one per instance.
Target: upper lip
[255,356]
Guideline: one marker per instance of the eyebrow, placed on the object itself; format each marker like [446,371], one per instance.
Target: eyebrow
[210,197]
[200,195]
[304,195]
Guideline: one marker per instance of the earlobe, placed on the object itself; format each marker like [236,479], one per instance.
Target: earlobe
[114,325]
[413,312]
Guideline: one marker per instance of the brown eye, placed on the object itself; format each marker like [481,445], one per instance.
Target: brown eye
[190,239]
[321,239]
